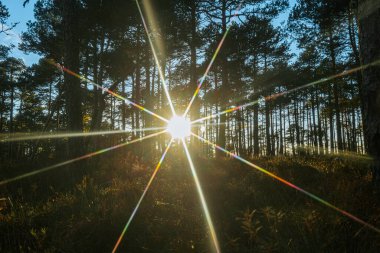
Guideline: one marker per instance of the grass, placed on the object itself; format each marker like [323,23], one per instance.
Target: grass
[251,212]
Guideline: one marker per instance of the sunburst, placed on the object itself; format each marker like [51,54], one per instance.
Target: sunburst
[179,127]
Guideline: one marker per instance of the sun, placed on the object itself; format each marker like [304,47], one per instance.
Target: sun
[179,127]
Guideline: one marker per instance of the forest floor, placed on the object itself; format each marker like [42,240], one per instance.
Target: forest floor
[251,212]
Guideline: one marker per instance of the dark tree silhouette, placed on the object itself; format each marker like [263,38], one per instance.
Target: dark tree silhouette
[73,92]
[369,16]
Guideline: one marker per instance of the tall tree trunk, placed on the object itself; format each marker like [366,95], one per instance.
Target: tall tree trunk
[137,97]
[354,47]
[369,16]
[12,102]
[222,128]
[123,107]
[133,99]
[2,107]
[335,92]
[320,141]
[71,83]
[331,122]
[239,119]
[112,111]
[325,124]
[267,129]
[354,135]
[147,92]
[194,113]
[95,109]
[193,58]
[11,111]
[99,95]
[280,136]
[297,124]
[256,150]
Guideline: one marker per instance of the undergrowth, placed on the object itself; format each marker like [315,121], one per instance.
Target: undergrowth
[251,212]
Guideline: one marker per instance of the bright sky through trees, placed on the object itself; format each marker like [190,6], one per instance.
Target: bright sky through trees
[21,15]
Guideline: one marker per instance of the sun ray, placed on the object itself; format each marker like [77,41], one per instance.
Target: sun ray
[203,200]
[211,63]
[57,135]
[232,109]
[161,74]
[59,66]
[324,202]
[142,197]
[344,73]
[275,96]
[33,173]
[207,125]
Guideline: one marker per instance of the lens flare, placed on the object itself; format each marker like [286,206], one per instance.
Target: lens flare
[161,74]
[54,135]
[142,197]
[347,214]
[275,96]
[224,112]
[203,200]
[33,173]
[59,66]
[179,127]
[211,63]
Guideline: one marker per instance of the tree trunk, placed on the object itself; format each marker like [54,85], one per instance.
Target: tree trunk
[72,83]
[369,16]
[2,107]
[280,136]
[123,108]
[222,129]
[267,129]
[95,109]
[320,141]
[12,102]
[256,150]
[99,96]
[297,124]
[137,97]
[11,112]
[193,59]
[331,122]
[335,92]
[147,93]
[194,113]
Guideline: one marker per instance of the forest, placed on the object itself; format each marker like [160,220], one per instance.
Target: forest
[273,104]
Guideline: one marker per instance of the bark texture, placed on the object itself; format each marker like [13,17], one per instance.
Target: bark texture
[369,24]
[71,83]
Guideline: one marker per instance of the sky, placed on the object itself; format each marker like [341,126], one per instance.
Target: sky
[21,15]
